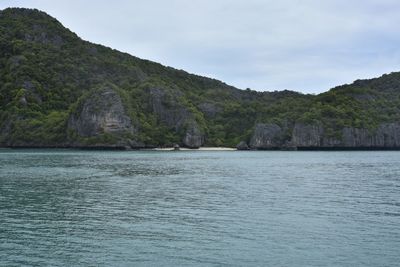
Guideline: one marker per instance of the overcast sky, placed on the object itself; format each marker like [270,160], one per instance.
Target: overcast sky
[302,45]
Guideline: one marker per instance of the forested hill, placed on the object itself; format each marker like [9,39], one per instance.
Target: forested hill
[57,90]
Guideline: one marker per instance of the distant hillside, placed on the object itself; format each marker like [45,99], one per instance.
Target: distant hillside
[57,90]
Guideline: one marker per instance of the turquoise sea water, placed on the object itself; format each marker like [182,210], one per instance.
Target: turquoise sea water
[105,208]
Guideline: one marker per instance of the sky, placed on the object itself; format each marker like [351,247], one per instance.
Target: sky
[303,45]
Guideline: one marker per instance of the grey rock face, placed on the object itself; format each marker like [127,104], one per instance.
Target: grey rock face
[242,146]
[267,136]
[307,135]
[101,112]
[168,109]
[5,131]
[389,134]
[270,136]
[353,137]
[31,92]
[42,36]
[386,136]
[193,138]
[135,144]
[209,109]
[166,105]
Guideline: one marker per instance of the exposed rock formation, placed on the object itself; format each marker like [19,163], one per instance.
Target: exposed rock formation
[99,113]
[267,136]
[387,135]
[307,135]
[209,109]
[312,136]
[165,104]
[170,111]
[242,146]
[194,138]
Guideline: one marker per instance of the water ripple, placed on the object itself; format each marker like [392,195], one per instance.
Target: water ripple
[96,208]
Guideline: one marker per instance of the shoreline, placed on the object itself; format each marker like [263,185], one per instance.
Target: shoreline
[193,149]
[116,148]
[122,148]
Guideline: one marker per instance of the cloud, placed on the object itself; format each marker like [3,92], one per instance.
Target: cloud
[304,45]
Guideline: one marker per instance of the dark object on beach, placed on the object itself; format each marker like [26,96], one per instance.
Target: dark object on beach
[176,147]
[242,146]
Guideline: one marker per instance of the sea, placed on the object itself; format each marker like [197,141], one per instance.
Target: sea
[64,207]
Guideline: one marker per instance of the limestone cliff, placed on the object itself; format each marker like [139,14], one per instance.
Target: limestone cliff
[387,135]
[267,136]
[99,114]
[194,138]
[313,136]
[170,111]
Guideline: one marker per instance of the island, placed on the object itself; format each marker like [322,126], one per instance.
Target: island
[57,90]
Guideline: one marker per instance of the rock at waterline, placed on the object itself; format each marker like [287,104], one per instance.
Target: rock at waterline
[242,146]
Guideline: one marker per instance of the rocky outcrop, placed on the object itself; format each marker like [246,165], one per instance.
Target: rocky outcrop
[387,135]
[313,136]
[267,136]
[242,146]
[171,112]
[166,105]
[193,138]
[5,132]
[354,137]
[102,112]
[209,109]
[307,135]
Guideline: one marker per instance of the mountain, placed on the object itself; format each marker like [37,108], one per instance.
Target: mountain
[57,90]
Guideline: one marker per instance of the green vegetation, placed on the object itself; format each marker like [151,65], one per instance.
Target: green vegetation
[45,70]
